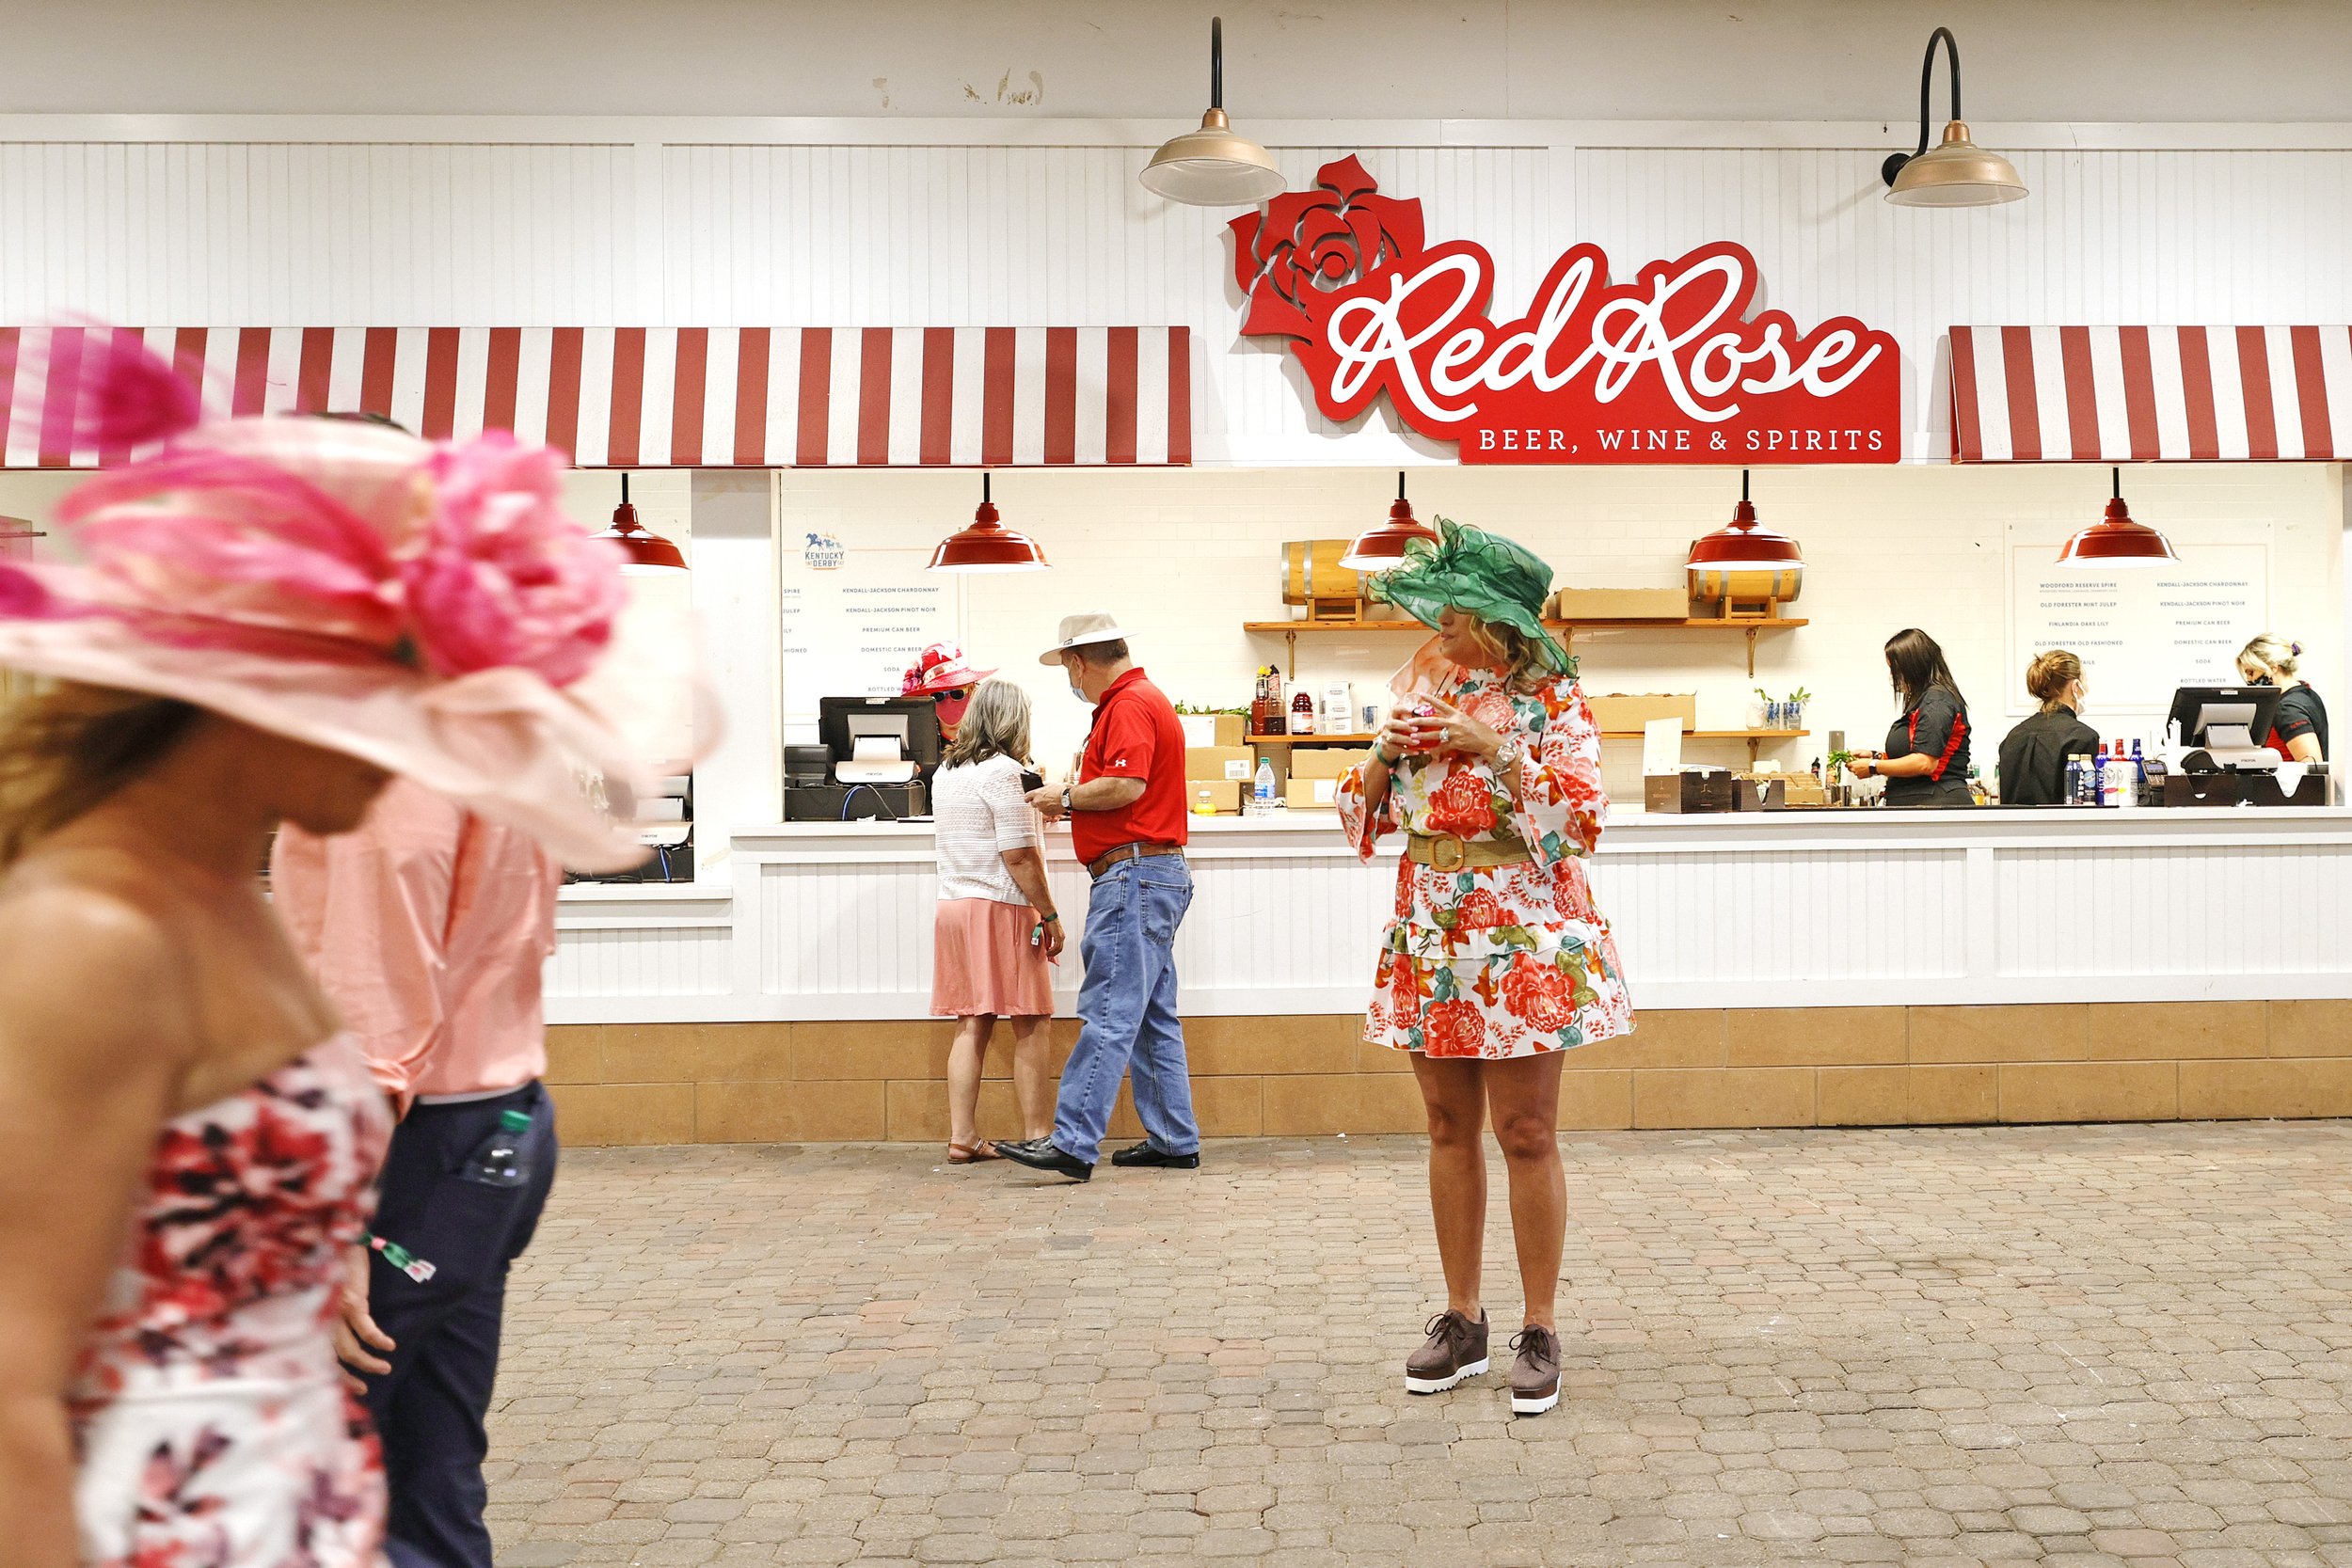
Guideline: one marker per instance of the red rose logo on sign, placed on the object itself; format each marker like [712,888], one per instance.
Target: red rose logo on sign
[1669,367]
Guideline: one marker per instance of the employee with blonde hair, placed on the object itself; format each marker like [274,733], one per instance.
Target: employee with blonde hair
[2033,754]
[997,929]
[2298,732]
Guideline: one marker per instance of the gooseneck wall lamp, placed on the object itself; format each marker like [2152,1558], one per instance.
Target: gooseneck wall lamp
[1958,172]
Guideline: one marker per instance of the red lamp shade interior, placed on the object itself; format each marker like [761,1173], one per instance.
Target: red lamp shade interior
[648,552]
[1745,542]
[2115,540]
[987,546]
[1377,549]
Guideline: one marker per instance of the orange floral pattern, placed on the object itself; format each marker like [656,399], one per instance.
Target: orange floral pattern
[1506,960]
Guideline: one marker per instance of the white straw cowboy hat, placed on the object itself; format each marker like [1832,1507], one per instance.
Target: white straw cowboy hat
[1079,630]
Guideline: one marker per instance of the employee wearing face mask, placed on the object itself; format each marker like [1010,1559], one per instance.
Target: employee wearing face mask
[946,678]
[2033,755]
[2298,732]
[1127,824]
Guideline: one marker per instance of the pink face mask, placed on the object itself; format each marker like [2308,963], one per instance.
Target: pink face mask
[951,706]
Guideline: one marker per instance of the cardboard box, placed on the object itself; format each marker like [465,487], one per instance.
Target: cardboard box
[1203,730]
[1629,714]
[1621,604]
[1221,796]
[1313,794]
[1803,789]
[1323,762]
[1694,789]
[1221,762]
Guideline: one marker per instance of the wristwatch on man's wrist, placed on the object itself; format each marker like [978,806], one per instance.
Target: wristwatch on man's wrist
[1066,807]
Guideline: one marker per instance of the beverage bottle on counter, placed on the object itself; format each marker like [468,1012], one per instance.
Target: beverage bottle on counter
[2098,777]
[2140,776]
[1262,793]
[1277,720]
[1303,713]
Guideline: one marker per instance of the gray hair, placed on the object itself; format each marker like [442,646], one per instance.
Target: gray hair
[1102,655]
[996,724]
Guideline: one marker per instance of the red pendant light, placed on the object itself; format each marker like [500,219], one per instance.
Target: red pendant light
[2115,540]
[1743,544]
[1379,550]
[987,546]
[647,550]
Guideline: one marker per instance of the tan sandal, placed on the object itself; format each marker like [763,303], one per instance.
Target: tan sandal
[972,1154]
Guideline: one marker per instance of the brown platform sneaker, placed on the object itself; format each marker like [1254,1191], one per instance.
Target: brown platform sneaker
[1456,1350]
[1535,1375]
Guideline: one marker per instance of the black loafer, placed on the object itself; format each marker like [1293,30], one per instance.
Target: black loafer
[1147,1153]
[1041,1154]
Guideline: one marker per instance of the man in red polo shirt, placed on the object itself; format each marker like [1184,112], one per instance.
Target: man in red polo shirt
[1127,824]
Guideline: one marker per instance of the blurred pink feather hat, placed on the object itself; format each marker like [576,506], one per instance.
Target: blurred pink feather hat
[425,606]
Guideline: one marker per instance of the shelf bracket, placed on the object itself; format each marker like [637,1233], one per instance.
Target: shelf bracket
[1752,631]
[1753,742]
[1292,638]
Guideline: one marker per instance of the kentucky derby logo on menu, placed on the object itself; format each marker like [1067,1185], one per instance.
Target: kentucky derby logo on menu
[824,553]
[1669,367]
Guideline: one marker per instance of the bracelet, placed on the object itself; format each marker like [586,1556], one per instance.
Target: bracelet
[1049,918]
[1386,760]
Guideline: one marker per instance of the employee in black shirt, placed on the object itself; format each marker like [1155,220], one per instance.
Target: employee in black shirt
[2033,755]
[1926,762]
[2299,732]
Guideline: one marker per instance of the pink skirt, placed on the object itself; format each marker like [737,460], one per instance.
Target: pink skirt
[983,962]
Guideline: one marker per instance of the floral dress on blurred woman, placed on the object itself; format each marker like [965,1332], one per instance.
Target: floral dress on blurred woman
[1495,960]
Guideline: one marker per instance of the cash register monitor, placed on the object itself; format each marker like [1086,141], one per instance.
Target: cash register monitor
[2225,719]
[910,722]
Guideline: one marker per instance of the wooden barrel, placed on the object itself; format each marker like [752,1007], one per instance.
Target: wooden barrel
[1746,585]
[1311,574]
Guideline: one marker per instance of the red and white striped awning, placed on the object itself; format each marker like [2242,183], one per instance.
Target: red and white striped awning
[652,397]
[2139,394]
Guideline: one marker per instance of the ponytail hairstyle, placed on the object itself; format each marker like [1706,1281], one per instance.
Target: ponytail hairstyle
[2273,653]
[1915,665]
[2050,673]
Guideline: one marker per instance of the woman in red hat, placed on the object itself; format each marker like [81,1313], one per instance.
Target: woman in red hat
[944,676]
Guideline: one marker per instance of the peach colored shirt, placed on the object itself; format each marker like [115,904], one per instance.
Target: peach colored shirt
[428,928]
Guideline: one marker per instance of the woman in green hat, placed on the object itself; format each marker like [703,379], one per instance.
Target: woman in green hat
[1496,961]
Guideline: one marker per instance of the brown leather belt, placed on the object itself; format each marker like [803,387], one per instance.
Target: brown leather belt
[1445,852]
[1109,857]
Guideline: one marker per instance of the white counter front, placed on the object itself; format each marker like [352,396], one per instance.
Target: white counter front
[1787,909]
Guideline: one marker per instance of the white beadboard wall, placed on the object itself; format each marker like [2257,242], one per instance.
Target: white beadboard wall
[519,222]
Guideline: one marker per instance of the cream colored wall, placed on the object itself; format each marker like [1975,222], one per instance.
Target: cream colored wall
[1183,557]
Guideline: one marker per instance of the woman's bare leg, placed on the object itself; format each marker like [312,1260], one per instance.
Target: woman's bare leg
[1032,1083]
[1455,1099]
[1523,1097]
[963,1077]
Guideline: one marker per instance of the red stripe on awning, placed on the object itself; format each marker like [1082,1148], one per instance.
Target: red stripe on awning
[935,441]
[2139,393]
[2025,401]
[565,349]
[1180,395]
[751,398]
[250,393]
[377,355]
[502,372]
[1118,412]
[441,384]
[690,386]
[815,395]
[873,396]
[1061,395]
[2082,396]
[2311,391]
[2253,375]
[317,362]
[996,398]
[2204,426]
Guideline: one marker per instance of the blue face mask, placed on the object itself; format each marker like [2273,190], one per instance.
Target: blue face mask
[1074,691]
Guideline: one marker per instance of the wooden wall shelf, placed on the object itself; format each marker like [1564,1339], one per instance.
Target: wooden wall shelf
[1289,630]
[1755,738]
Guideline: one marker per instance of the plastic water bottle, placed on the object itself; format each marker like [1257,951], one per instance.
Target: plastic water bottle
[1263,792]
[2138,780]
[498,1159]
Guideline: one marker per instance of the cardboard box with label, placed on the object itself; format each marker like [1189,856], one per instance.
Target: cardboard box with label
[1313,794]
[1213,729]
[1621,604]
[1323,762]
[1221,762]
[1223,796]
[1619,712]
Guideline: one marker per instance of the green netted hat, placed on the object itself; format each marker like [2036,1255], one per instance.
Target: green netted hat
[1484,574]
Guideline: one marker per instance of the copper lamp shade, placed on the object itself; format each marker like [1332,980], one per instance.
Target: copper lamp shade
[2115,540]
[987,544]
[1958,173]
[1378,549]
[1215,166]
[647,551]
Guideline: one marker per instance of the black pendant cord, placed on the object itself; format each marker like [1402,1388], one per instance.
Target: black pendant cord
[1400,484]
[1216,62]
[2119,484]
[1743,485]
[624,487]
[984,487]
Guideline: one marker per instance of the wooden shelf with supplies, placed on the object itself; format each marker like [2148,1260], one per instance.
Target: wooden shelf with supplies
[1755,738]
[1750,625]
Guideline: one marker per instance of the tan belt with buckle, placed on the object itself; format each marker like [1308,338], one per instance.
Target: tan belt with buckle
[1448,853]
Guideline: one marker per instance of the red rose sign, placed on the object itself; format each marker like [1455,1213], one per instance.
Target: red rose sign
[1669,367]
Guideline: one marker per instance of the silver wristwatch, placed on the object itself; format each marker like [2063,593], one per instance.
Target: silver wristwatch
[1508,755]
[1066,807]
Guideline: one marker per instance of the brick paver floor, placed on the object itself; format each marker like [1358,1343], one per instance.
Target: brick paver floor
[2064,1345]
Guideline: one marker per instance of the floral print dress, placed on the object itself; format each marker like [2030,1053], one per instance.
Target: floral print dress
[213,1426]
[1505,961]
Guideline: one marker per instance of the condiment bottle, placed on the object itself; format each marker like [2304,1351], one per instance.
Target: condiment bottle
[1303,713]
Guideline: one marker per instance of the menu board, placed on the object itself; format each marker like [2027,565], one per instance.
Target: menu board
[2139,632]
[852,621]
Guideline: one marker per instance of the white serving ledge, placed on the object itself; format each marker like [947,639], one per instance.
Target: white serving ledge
[1783,909]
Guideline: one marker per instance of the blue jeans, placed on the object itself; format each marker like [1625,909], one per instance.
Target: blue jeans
[1127,1012]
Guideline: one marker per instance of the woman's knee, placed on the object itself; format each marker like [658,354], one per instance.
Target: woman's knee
[1527,1136]
[1452,1125]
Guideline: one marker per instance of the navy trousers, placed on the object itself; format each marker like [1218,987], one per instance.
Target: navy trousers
[429,1409]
